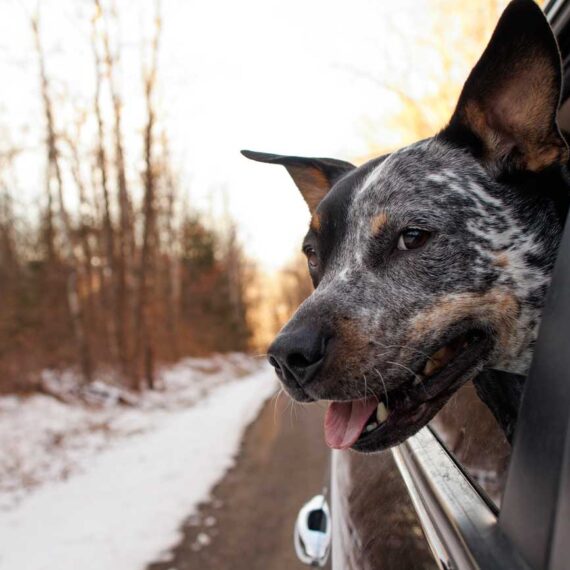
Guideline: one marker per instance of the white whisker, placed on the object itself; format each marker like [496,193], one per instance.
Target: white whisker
[417,376]
[383,384]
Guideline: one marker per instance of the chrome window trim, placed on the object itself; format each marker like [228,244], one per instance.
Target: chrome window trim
[558,13]
[461,529]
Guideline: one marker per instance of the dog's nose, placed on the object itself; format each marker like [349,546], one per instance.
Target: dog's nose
[298,355]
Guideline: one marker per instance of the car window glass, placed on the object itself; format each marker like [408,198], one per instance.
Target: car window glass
[471,434]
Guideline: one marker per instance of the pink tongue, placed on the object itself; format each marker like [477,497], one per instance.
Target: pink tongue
[345,421]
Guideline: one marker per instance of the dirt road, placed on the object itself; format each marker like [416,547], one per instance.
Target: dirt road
[249,522]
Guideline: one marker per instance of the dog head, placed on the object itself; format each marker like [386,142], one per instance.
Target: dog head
[432,263]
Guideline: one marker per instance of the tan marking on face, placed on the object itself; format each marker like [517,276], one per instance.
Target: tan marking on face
[316,222]
[501,260]
[353,348]
[378,223]
[497,308]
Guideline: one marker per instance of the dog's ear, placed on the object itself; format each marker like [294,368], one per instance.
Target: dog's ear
[507,109]
[313,176]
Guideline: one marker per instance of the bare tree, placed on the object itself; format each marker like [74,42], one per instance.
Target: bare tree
[169,247]
[54,181]
[112,283]
[116,294]
[422,114]
[84,229]
[124,255]
[145,356]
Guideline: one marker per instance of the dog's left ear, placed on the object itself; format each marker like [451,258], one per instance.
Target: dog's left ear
[313,176]
[507,109]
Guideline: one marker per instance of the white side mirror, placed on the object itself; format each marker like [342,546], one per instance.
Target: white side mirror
[312,535]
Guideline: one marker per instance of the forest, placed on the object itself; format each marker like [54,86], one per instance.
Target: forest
[116,273]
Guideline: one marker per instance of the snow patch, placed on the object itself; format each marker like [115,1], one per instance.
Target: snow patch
[43,439]
[131,484]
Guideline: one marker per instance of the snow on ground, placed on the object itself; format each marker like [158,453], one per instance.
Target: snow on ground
[42,439]
[105,489]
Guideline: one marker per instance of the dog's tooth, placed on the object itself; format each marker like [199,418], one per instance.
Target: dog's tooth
[382,412]
[438,360]
[430,367]
[371,427]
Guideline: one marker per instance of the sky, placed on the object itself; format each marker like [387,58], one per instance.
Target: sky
[289,77]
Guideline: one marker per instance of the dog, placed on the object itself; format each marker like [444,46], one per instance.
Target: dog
[431,264]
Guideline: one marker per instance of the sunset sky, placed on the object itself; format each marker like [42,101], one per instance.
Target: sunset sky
[272,75]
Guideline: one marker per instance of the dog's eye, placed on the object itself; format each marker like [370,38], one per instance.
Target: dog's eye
[413,238]
[312,258]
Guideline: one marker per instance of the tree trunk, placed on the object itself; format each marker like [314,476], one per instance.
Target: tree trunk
[145,322]
[55,181]
[124,254]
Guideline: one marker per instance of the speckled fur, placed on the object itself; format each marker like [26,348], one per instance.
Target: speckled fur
[491,191]
[387,307]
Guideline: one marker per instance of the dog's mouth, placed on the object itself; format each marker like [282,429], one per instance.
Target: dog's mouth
[376,423]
